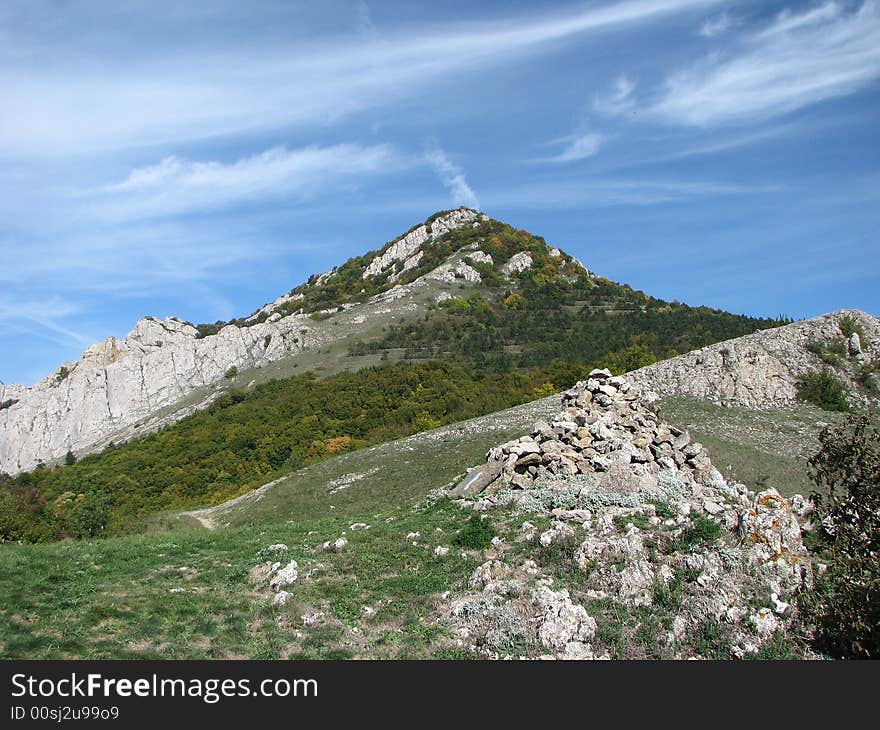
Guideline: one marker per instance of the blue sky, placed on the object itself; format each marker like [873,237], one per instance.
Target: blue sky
[201,158]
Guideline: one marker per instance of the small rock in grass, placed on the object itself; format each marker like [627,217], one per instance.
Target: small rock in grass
[285,576]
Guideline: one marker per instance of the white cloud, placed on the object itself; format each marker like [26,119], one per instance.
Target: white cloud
[619,101]
[453,178]
[788,21]
[716,26]
[798,60]
[185,95]
[578,147]
[175,185]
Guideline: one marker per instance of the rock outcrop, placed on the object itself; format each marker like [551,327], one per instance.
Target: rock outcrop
[761,370]
[406,247]
[640,519]
[119,383]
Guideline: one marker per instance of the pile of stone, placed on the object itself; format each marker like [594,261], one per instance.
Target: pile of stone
[625,493]
[605,427]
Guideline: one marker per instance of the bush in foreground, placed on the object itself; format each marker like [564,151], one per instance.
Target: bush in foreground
[845,607]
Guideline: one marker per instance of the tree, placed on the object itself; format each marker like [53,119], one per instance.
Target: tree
[845,606]
[69,458]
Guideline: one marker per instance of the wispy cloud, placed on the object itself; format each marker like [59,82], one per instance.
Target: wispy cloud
[577,147]
[452,177]
[619,100]
[175,185]
[606,192]
[44,317]
[798,60]
[51,109]
[717,25]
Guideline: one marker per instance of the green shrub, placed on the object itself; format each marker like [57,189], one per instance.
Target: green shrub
[560,557]
[477,534]
[836,347]
[845,604]
[824,390]
[663,510]
[781,646]
[817,347]
[711,640]
[867,376]
[667,595]
[231,373]
[701,531]
[848,326]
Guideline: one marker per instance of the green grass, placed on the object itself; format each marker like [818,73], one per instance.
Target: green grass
[701,531]
[379,477]
[113,597]
[755,447]
[477,534]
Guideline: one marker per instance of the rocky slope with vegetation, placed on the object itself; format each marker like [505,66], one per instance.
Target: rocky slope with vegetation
[768,369]
[600,530]
[626,558]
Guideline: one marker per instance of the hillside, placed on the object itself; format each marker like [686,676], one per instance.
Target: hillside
[459,286]
[459,317]
[754,444]
[352,561]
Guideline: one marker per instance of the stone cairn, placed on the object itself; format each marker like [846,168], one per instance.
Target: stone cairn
[600,466]
[606,427]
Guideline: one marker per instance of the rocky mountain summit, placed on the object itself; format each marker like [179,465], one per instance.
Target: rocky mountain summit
[164,370]
[762,370]
[638,517]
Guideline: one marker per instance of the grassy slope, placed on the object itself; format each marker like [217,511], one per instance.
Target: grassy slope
[746,445]
[188,594]
[384,476]
[754,446]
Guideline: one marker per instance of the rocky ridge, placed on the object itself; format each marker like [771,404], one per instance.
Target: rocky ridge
[761,370]
[164,370]
[648,522]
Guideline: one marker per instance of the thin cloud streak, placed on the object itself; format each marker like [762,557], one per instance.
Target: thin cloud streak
[799,60]
[716,26]
[47,112]
[619,101]
[177,186]
[43,317]
[579,147]
[607,192]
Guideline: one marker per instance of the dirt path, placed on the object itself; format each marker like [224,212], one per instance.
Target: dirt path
[206,516]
